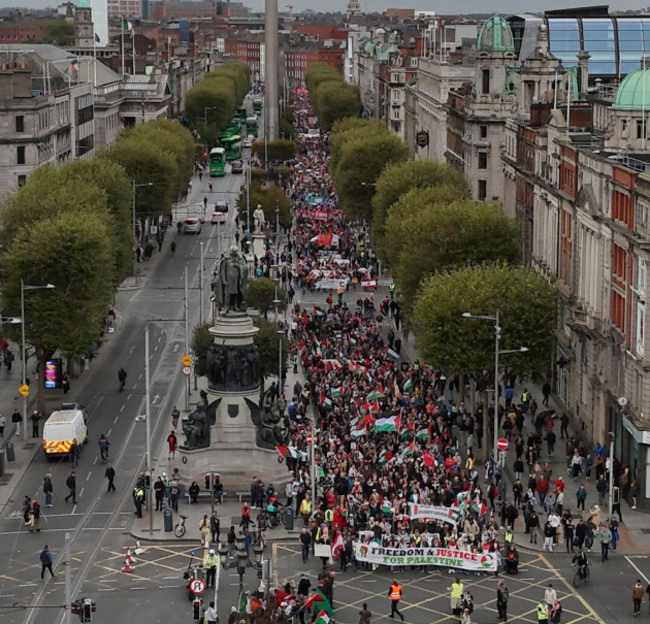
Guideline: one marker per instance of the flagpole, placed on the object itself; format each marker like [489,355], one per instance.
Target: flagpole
[95,61]
[122,30]
[133,47]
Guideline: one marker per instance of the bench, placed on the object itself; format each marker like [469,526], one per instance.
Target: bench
[241,495]
[203,494]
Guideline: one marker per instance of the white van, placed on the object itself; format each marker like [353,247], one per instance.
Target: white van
[62,428]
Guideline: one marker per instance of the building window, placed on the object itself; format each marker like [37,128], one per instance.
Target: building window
[482,190]
[413,61]
[485,81]
[20,155]
[20,123]
[641,216]
[396,115]
[22,180]
[482,160]
[640,129]
[618,311]
[483,131]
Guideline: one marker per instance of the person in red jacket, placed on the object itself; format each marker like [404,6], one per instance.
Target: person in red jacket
[559,484]
[173,443]
[543,486]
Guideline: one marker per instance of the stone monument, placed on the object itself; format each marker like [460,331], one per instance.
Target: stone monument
[259,239]
[235,434]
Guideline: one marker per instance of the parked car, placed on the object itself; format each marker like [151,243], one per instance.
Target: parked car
[192,226]
[236,166]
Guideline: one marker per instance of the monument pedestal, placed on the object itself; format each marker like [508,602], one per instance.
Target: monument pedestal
[259,245]
[233,385]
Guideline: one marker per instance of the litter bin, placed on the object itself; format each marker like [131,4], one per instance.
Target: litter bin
[168,520]
[288,519]
[9,450]
[2,463]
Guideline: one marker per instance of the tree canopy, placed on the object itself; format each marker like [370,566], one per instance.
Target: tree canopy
[399,178]
[260,294]
[266,197]
[279,150]
[350,129]
[527,306]
[331,97]
[267,341]
[201,341]
[59,33]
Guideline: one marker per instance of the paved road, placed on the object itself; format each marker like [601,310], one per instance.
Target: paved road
[99,522]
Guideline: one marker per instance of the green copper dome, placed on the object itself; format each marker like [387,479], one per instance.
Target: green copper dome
[495,36]
[83,4]
[634,90]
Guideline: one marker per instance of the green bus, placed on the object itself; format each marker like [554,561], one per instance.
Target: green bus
[232,147]
[217,161]
[233,128]
[251,126]
[257,105]
[240,114]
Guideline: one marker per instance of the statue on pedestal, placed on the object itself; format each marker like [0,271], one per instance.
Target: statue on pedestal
[259,219]
[233,277]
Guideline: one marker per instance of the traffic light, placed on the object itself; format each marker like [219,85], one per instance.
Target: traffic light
[615,496]
[88,610]
[75,608]
[196,609]
[207,480]
[205,154]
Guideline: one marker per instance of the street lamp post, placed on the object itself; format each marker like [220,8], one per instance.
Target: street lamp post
[611,475]
[248,196]
[277,237]
[135,241]
[497,353]
[23,288]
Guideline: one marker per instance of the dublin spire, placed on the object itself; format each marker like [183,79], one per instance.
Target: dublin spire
[271,55]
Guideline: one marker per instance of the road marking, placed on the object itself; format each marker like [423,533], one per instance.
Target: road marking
[108,581]
[75,507]
[115,419]
[171,578]
[123,406]
[109,588]
[643,576]
[111,431]
[368,580]
[169,586]
[88,475]
[95,460]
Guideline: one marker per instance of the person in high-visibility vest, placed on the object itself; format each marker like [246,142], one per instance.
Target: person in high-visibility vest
[456,596]
[395,594]
[542,613]
[210,563]
[305,508]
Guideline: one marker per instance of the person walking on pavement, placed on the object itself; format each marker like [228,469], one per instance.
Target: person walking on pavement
[605,537]
[172,441]
[210,615]
[27,509]
[46,561]
[3,424]
[16,420]
[110,475]
[546,391]
[395,595]
[210,563]
[74,453]
[34,517]
[35,417]
[103,446]
[502,601]
[121,377]
[215,528]
[48,489]
[159,493]
[71,484]
[176,414]
[637,596]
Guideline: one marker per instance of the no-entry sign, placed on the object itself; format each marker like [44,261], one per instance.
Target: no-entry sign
[502,444]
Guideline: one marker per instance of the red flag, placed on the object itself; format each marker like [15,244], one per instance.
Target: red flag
[283,450]
[428,458]
[367,420]
[280,596]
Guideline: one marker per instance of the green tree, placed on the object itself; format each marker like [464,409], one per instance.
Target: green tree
[449,236]
[336,100]
[71,250]
[361,163]
[260,294]
[448,341]
[59,33]
[399,178]
[351,129]
[278,150]
[214,99]
[201,341]
[269,198]
[286,129]
[267,341]
[318,73]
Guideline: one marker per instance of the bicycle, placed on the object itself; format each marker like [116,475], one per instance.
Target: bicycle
[179,529]
[579,578]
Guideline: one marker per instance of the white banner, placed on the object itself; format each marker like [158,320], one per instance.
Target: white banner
[331,283]
[440,513]
[406,556]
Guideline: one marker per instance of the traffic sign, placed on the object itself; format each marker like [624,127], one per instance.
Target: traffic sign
[187,360]
[309,438]
[502,444]
[197,586]
[186,371]
[24,390]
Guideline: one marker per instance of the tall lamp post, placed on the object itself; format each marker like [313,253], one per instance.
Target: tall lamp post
[497,337]
[23,288]
[135,240]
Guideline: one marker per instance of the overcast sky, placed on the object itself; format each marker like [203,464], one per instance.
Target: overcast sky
[448,7]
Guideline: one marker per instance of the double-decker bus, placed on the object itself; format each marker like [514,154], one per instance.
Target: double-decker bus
[257,105]
[233,127]
[232,147]
[240,114]
[217,161]
[251,126]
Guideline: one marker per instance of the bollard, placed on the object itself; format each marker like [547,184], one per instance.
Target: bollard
[168,520]
[288,518]
[9,450]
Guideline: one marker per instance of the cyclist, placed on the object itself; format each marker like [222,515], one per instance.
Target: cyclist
[103,446]
[121,375]
[580,559]
[272,510]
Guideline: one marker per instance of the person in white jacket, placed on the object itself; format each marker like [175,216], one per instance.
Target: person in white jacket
[550,595]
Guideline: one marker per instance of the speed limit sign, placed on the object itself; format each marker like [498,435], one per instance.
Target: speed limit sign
[197,586]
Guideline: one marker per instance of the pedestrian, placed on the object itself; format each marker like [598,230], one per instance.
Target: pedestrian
[581,497]
[215,527]
[74,453]
[34,516]
[27,509]
[204,530]
[3,424]
[549,536]
[601,487]
[210,564]
[550,595]
[542,613]
[502,601]
[546,391]
[110,475]
[174,493]
[210,615]
[605,537]
[395,594]
[176,414]
[9,358]
[564,426]
[365,615]
[16,420]
[455,596]
[637,596]
[138,500]
[48,489]
[172,442]
[305,542]
[46,561]
[71,484]
[65,383]
[159,493]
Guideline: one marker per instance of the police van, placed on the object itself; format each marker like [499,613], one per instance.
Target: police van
[63,428]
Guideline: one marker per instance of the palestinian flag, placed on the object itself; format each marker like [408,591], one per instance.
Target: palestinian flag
[374,407]
[318,599]
[461,500]
[385,506]
[336,392]
[407,431]
[396,391]
[367,420]
[364,408]
[384,458]
[377,393]
[279,597]
[480,509]
[290,451]
[428,458]
[408,385]
[392,353]
[409,451]
[387,424]
[357,433]
[326,401]
[322,618]
[423,434]
[242,603]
